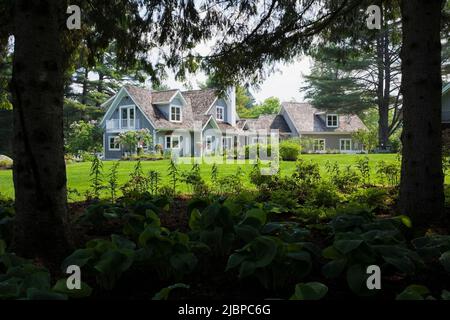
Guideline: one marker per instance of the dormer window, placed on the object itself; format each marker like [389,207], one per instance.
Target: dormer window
[332,120]
[175,113]
[220,113]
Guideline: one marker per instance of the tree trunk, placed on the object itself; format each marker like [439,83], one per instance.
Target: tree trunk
[37,91]
[421,188]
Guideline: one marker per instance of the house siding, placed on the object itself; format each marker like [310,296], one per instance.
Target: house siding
[141,123]
[332,141]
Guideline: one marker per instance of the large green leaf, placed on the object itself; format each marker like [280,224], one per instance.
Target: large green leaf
[357,280]
[10,288]
[114,262]
[183,262]
[163,294]
[79,258]
[445,260]
[309,291]
[258,214]
[347,246]
[234,260]
[61,287]
[333,269]
[194,220]
[413,292]
[37,294]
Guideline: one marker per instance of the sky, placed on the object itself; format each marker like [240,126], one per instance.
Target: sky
[284,82]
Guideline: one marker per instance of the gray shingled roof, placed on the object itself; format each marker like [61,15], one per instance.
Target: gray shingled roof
[143,97]
[269,122]
[201,100]
[306,118]
[163,96]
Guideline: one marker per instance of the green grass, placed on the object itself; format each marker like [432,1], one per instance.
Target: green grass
[78,173]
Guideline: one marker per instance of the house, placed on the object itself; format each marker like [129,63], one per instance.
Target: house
[446,107]
[177,120]
[326,131]
[198,122]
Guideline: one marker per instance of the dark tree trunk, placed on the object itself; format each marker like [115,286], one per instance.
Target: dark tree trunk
[421,188]
[37,91]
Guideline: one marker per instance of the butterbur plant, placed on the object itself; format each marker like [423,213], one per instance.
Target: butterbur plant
[364,169]
[113,181]
[96,177]
[173,176]
[155,179]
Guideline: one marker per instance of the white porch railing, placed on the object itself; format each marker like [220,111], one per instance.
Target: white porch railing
[125,124]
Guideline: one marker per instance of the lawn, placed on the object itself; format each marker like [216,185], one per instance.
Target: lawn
[78,173]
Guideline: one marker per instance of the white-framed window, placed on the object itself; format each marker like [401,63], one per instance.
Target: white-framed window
[332,120]
[345,144]
[319,145]
[127,117]
[220,113]
[172,142]
[175,113]
[113,144]
[227,142]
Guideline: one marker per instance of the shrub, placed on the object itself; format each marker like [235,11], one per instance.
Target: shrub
[255,149]
[289,150]
[5,162]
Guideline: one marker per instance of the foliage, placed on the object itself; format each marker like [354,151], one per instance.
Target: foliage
[137,185]
[131,139]
[389,172]
[113,181]
[289,150]
[96,178]
[25,280]
[367,138]
[364,169]
[309,291]
[84,136]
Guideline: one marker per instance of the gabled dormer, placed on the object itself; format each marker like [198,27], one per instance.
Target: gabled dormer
[332,120]
[223,109]
[171,103]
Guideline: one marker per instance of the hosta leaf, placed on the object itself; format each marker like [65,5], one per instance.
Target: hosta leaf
[247,268]
[234,260]
[36,294]
[246,232]
[184,262]
[413,292]
[309,291]
[258,214]
[10,288]
[79,258]
[347,246]
[61,287]
[357,280]
[163,294]
[334,268]
[122,242]
[114,262]
[194,220]
[445,260]
[445,295]
[265,249]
